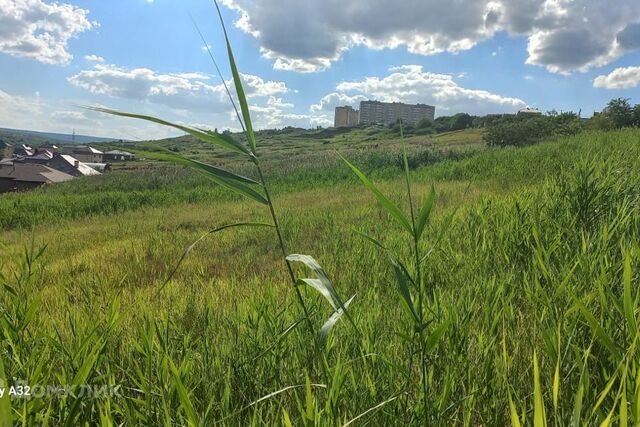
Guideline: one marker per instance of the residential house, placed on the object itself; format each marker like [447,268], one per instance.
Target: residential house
[24,150]
[18,176]
[529,111]
[50,147]
[87,154]
[71,165]
[41,156]
[118,156]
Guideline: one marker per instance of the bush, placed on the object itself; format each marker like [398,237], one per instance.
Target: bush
[525,130]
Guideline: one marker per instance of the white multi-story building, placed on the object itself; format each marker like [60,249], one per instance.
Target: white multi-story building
[372,112]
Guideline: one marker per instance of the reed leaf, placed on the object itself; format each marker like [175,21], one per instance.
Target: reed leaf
[515,419]
[425,212]
[403,280]
[539,415]
[329,324]
[393,210]
[5,400]
[244,106]
[322,284]
[204,136]
[229,180]
[627,298]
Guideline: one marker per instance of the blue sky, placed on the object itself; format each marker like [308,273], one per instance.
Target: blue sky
[302,59]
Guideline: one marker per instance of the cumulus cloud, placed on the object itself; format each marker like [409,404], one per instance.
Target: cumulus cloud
[273,116]
[333,100]
[410,83]
[563,35]
[620,78]
[39,30]
[190,95]
[94,58]
[183,91]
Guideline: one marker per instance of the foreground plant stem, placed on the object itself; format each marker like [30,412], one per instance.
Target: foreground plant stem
[292,275]
[420,281]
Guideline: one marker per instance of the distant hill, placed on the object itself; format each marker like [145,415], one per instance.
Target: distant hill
[18,136]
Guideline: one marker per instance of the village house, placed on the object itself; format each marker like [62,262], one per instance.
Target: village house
[24,150]
[118,156]
[87,154]
[18,176]
[71,165]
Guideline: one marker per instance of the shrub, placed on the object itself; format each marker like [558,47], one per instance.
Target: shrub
[525,130]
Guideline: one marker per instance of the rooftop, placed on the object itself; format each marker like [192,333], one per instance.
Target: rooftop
[118,153]
[91,150]
[81,167]
[31,172]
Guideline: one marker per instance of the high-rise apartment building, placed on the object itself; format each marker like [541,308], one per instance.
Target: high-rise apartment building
[346,117]
[372,112]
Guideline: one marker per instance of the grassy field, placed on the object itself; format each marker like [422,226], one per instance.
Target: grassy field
[532,291]
[293,163]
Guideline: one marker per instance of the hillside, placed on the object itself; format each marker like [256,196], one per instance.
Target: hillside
[18,136]
[538,269]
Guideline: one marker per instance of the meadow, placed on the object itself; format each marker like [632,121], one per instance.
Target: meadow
[528,288]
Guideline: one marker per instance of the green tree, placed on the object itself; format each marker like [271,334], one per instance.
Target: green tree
[621,112]
[636,115]
[460,121]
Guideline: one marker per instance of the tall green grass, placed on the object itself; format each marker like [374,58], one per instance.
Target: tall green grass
[549,266]
[521,309]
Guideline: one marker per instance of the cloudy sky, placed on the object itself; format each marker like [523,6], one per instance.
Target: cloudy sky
[300,59]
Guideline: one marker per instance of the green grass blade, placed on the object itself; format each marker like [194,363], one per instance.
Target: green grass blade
[556,384]
[322,283]
[370,239]
[599,331]
[229,180]
[603,394]
[372,409]
[204,136]
[624,417]
[393,210]
[628,300]
[577,404]
[5,400]
[329,324]
[515,420]
[539,415]
[244,106]
[436,336]
[164,155]
[425,212]
[403,287]
[183,396]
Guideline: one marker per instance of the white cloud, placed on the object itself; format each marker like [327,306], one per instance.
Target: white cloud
[39,30]
[620,78]
[563,35]
[182,91]
[18,110]
[94,58]
[410,83]
[271,116]
[329,102]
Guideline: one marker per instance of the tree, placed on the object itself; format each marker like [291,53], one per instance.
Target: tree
[425,123]
[636,115]
[460,121]
[620,112]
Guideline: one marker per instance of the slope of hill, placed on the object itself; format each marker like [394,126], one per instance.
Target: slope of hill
[19,136]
